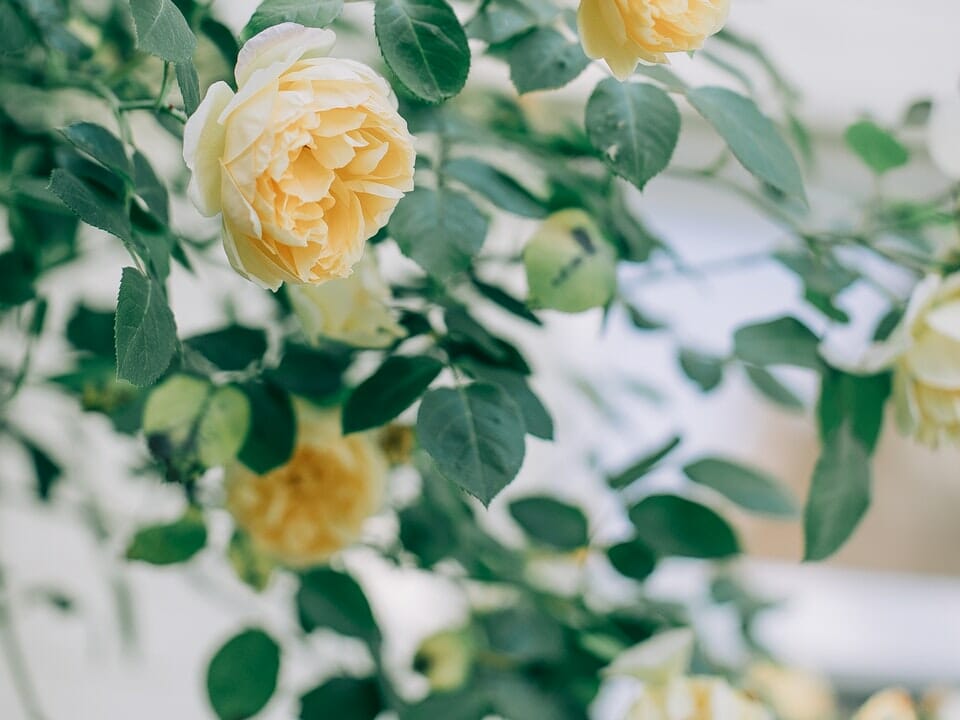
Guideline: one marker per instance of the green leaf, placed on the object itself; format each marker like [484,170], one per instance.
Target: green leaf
[273,427]
[174,406]
[543,60]
[839,494]
[500,20]
[475,435]
[224,426]
[172,543]
[46,470]
[440,230]
[394,387]
[705,370]
[309,372]
[784,341]
[346,697]
[242,676]
[233,348]
[506,301]
[536,417]
[331,599]
[672,525]
[311,13]
[752,137]
[500,189]
[189,83]
[162,30]
[551,522]
[772,389]
[17,270]
[92,330]
[100,144]
[878,149]
[635,126]
[150,188]
[632,559]
[524,633]
[858,400]
[643,465]
[93,208]
[145,331]
[424,45]
[747,487]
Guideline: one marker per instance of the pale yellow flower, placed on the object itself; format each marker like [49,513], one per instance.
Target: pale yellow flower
[696,698]
[792,694]
[305,161]
[888,705]
[624,32]
[446,659]
[354,310]
[303,512]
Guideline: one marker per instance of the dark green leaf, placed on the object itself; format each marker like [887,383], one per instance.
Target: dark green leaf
[331,599]
[172,543]
[475,435]
[747,487]
[644,465]
[17,270]
[93,208]
[784,341]
[242,676]
[705,370]
[441,230]
[635,126]
[506,301]
[92,330]
[189,83]
[500,189]
[150,188]
[878,149]
[752,137]
[544,59]
[47,471]
[145,332]
[311,13]
[523,634]
[839,494]
[394,387]
[551,522]
[310,372]
[102,145]
[162,30]
[772,389]
[853,399]
[500,20]
[536,417]
[233,348]
[273,427]
[672,525]
[632,559]
[425,47]
[342,697]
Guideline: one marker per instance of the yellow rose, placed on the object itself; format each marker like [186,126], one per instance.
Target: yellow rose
[793,694]
[623,32]
[354,310]
[924,351]
[303,512]
[696,698]
[888,705]
[305,161]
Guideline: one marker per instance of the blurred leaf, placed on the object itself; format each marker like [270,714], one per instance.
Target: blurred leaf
[189,84]
[251,566]
[242,676]
[224,426]
[500,20]
[92,330]
[273,427]
[634,126]
[174,406]
[394,387]
[632,559]
[523,634]
[747,487]
[145,331]
[310,372]
[645,464]
[672,525]
[888,323]
[551,522]
[506,301]
[918,114]
[784,341]
[233,348]
[705,370]
[497,187]
[102,145]
[544,60]
[16,278]
[331,599]
[346,697]
[839,494]
[475,435]
[752,137]
[150,188]
[46,470]
[773,389]
[857,400]
[171,543]
[878,149]
[162,30]
[311,13]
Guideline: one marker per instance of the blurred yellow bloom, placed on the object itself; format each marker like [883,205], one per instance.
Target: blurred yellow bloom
[354,310]
[303,512]
[623,32]
[792,694]
[696,698]
[888,705]
[445,659]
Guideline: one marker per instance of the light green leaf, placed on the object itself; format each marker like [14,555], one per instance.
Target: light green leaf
[145,331]
[644,464]
[174,406]
[440,230]
[475,435]
[878,149]
[544,59]
[635,126]
[497,187]
[171,543]
[783,341]
[672,525]
[162,30]
[752,137]
[100,144]
[424,45]
[705,370]
[331,599]
[551,522]
[223,427]
[189,83]
[772,389]
[311,13]
[394,387]
[747,487]
[499,20]
[242,676]
[93,208]
[839,494]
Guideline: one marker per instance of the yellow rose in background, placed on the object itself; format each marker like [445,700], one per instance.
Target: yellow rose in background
[303,512]
[888,705]
[623,32]
[305,161]
[792,694]
[354,310]
[697,698]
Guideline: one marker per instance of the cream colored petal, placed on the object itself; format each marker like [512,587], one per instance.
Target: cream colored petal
[945,319]
[203,140]
[935,360]
[283,45]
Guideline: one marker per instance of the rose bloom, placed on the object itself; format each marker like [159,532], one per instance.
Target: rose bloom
[924,351]
[303,512]
[305,161]
[888,705]
[623,32]
[793,694]
[697,698]
[354,310]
